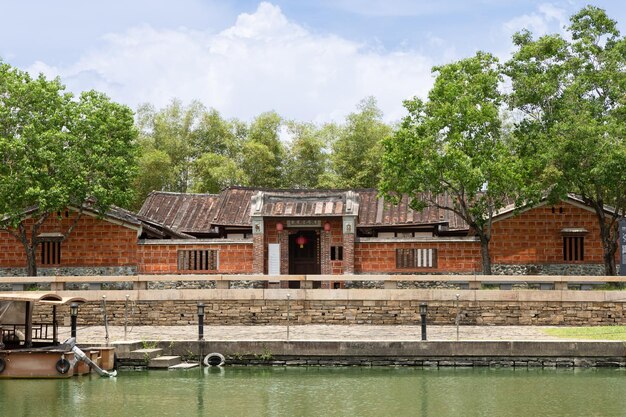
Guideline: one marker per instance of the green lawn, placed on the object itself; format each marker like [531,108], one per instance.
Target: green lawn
[596,332]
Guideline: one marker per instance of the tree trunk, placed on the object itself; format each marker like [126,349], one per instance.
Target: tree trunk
[484,252]
[31,260]
[609,246]
[608,236]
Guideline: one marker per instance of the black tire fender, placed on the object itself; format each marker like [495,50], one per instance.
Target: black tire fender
[63,366]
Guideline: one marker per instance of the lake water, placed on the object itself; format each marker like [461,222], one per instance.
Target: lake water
[262,391]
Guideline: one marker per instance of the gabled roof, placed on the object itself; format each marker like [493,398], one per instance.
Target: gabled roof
[573,199]
[375,211]
[184,213]
[234,206]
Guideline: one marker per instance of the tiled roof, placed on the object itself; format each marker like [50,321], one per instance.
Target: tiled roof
[186,213]
[197,213]
[376,211]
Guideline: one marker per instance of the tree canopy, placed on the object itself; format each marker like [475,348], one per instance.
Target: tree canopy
[453,146]
[571,133]
[59,151]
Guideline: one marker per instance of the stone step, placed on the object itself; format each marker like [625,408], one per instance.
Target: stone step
[145,354]
[185,365]
[164,361]
[123,348]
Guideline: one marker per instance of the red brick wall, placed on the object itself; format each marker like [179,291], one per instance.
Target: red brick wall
[94,242]
[234,258]
[380,257]
[534,236]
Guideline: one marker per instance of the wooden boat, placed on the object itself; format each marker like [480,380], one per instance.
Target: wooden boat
[32,350]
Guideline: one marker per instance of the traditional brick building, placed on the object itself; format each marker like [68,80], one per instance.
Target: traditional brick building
[276,232]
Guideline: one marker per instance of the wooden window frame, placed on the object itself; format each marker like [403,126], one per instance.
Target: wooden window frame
[197,260]
[416,258]
[50,252]
[573,248]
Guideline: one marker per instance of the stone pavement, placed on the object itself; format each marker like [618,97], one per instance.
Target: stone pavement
[96,334]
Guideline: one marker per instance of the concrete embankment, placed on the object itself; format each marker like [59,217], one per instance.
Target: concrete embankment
[566,354]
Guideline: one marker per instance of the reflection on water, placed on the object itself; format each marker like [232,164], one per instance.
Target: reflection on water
[262,391]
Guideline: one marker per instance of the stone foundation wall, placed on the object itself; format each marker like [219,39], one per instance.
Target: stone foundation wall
[70,271]
[491,362]
[548,269]
[340,312]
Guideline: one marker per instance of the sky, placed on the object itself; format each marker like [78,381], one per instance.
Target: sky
[307,60]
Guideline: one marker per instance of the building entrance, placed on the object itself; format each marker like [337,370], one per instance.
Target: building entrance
[304,253]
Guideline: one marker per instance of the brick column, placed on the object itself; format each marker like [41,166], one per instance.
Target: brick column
[258,246]
[349,232]
[325,267]
[283,239]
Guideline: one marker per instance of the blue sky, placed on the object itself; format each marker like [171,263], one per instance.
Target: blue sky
[307,60]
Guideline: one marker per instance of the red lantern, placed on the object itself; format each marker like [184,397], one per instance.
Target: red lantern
[327,227]
[301,240]
[279,226]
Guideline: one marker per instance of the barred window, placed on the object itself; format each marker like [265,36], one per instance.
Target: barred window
[50,252]
[573,248]
[416,258]
[336,253]
[197,260]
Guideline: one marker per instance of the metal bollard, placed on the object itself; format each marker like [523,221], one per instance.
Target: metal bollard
[458,317]
[106,320]
[126,317]
[423,311]
[288,313]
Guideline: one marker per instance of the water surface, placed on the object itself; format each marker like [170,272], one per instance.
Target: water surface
[321,391]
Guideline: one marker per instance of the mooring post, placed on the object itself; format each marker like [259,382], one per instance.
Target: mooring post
[106,320]
[200,331]
[126,317]
[423,310]
[288,313]
[458,317]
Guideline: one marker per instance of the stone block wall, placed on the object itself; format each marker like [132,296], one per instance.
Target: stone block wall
[353,312]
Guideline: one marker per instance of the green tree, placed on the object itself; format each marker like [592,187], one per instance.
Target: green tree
[355,159]
[172,130]
[307,156]
[263,153]
[571,135]
[58,152]
[212,172]
[155,172]
[218,136]
[450,151]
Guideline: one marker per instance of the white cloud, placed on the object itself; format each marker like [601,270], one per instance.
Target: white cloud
[548,18]
[263,62]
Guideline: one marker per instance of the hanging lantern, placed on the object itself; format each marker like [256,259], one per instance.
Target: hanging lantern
[301,240]
[327,227]
[279,226]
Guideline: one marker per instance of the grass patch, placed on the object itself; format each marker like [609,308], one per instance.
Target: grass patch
[593,333]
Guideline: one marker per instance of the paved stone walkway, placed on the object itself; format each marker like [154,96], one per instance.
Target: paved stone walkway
[96,334]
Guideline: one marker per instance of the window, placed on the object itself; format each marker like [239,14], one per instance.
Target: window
[50,252]
[416,258]
[197,260]
[573,248]
[336,253]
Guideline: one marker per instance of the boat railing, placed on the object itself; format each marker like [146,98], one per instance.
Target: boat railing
[14,334]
